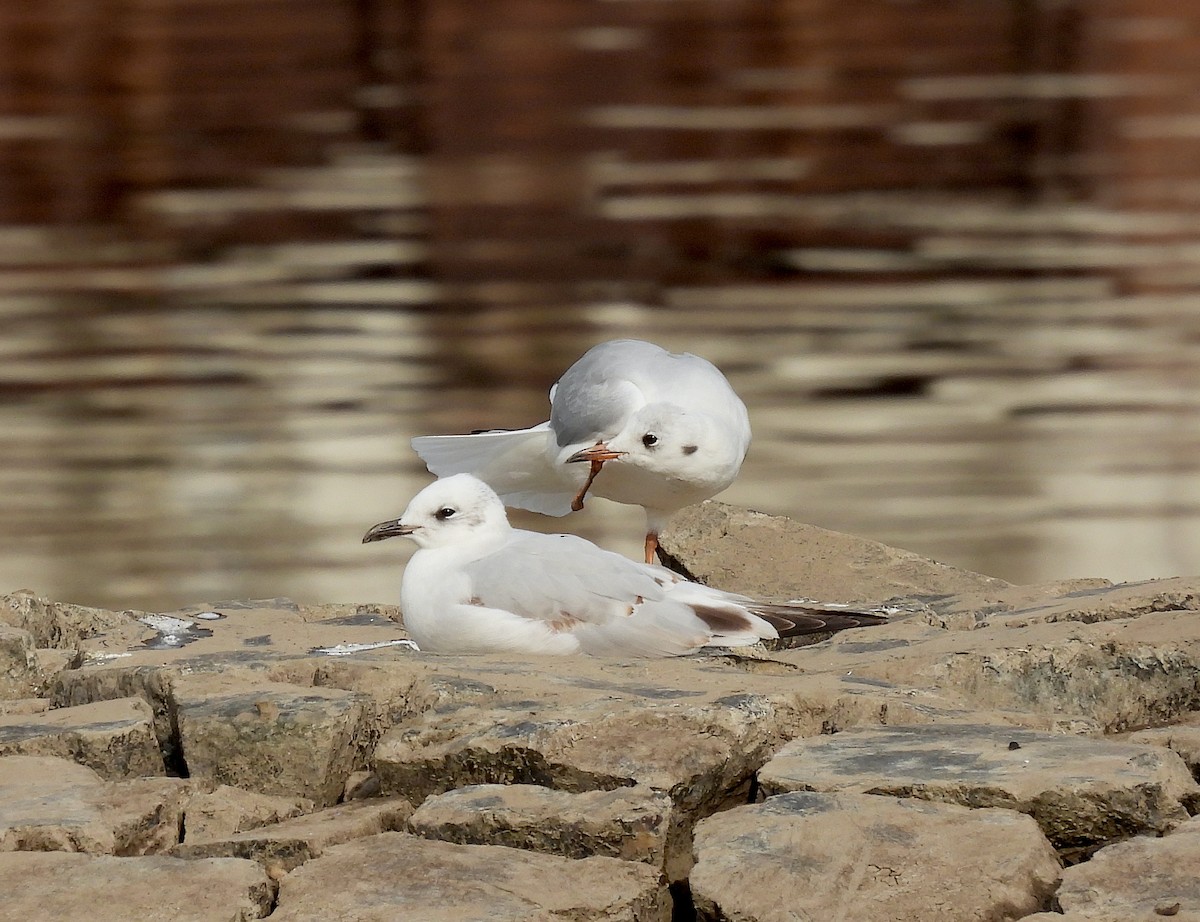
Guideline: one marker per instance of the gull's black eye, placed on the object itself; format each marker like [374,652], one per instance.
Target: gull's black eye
[444,513]
[649,439]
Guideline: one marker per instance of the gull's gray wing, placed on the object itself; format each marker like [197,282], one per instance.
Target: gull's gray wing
[552,577]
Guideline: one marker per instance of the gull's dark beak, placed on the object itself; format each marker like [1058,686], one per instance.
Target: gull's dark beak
[389,529]
[598,452]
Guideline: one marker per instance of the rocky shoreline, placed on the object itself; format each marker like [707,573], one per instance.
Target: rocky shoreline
[994,752]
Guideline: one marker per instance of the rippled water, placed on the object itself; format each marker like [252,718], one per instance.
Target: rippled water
[157,454]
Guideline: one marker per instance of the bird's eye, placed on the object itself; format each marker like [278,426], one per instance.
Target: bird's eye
[649,439]
[444,513]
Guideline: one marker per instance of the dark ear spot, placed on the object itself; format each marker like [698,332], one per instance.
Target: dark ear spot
[690,449]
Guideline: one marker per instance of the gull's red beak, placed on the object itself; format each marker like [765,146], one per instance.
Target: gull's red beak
[598,452]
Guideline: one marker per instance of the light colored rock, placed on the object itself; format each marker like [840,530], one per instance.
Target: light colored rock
[398,876]
[226,810]
[1139,880]
[855,856]
[286,845]
[778,558]
[24,706]
[18,666]
[701,757]
[1122,674]
[1085,601]
[1182,738]
[57,886]
[626,823]
[1082,792]
[51,804]
[270,737]
[116,738]
[60,624]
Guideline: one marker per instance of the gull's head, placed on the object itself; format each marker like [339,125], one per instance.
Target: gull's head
[679,444]
[452,510]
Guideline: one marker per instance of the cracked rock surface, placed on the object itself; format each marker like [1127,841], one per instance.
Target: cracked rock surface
[993,752]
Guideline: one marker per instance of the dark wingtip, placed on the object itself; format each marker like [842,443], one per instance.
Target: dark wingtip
[804,620]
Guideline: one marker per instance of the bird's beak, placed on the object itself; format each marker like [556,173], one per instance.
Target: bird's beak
[598,452]
[389,529]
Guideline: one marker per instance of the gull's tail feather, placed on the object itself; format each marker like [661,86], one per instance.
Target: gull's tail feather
[513,462]
[804,624]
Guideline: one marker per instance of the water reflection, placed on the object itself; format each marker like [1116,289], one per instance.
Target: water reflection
[159,455]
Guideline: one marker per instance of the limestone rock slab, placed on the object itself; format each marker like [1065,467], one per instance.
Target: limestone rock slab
[58,624]
[53,886]
[702,757]
[1140,880]
[1083,792]
[626,823]
[51,804]
[774,557]
[116,738]
[226,810]
[872,859]
[1119,674]
[18,665]
[399,876]
[270,737]
[1182,738]
[286,845]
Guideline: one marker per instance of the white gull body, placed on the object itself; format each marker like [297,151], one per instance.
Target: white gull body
[478,585]
[666,428]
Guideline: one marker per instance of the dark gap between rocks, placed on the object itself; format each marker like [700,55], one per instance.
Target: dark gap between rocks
[683,908]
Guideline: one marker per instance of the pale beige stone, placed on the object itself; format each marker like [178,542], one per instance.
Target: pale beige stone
[270,737]
[59,624]
[1140,880]
[57,886]
[288,844]
[1083,792]
[116,738]
[872,859]
[626,823]
[397,876]
[18,666]
[226,810]
[778,558]
[52,804]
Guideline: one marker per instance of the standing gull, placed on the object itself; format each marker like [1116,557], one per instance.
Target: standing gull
[671,425]
[478,585]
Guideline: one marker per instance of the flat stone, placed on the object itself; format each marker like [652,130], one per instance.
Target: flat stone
[51,804]
[1082,792]
[772,557]
[1139,879]
[854,856]
[52,886]
[270,737]
[626,823]
[116,738]
[226,810]
[399,876]
[286,845]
